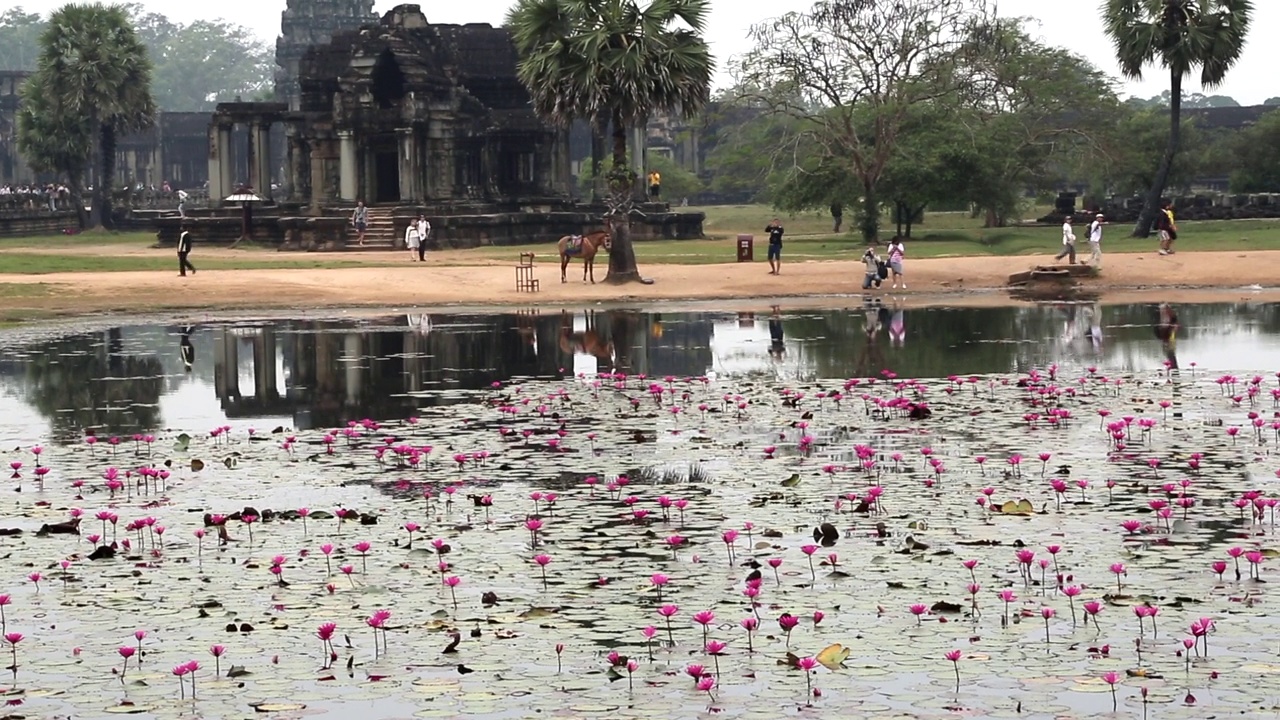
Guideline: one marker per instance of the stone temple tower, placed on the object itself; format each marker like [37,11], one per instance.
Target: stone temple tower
[312,22]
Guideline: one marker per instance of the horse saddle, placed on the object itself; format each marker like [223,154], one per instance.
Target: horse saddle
[575,244]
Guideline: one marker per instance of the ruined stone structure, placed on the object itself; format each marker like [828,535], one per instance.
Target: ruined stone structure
[410,113]
[173,150]
[305,24]
[12,169]
[411,118]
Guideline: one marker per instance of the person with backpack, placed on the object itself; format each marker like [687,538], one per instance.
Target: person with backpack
[184,249]
[872,263]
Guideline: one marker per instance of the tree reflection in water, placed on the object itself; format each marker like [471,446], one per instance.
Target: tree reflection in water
[324,373]
[85,383]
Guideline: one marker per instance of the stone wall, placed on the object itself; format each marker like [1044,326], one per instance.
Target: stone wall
[1198,207]
[35,224]
[331,232]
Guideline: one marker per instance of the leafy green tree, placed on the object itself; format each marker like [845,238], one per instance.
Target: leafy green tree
[747,149]
[197,66]
[52,140]
[19,39]
[1034,109]
[613,60]
[1179,35]
[96,71]
[1133,151]
[849,73]
[1256,157]
[676,181]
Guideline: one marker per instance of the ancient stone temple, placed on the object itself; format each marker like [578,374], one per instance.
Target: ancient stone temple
[410,113]
[412,118]
[305,24]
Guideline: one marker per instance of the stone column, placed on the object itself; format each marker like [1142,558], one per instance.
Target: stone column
[347,184]
[219,162]
[262,146]
[408,162]
[440,159]
[293,160]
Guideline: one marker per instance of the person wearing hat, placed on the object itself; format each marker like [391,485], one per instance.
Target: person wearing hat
[1095,241]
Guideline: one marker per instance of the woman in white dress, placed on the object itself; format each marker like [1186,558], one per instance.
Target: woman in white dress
[412,240]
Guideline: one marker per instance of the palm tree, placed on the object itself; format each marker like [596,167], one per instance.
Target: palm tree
[611,61]
[53,141]
[96,69]
[1179,35]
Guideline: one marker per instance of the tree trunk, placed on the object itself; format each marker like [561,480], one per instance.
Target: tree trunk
[106,177]
[622,256]
[598,185]
[1152,204]
[870,221]
[75,188]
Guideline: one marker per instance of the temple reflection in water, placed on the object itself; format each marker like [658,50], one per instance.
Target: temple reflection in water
[323,373]
[119,380]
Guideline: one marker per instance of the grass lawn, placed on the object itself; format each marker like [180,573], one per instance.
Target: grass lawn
[809,237]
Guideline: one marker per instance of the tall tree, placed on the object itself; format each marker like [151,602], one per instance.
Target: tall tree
[96,70]
[850,72]
[617,61]
[1031,109]
[1179,35]
[54,141]
[19,39]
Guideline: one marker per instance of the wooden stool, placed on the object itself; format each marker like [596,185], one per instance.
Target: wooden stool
[525,281]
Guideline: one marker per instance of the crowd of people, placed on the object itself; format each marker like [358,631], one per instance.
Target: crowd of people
[34,198]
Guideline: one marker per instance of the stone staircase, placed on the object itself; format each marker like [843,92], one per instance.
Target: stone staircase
[380,235]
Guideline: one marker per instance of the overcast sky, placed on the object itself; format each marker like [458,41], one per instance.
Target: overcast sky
[1067,23]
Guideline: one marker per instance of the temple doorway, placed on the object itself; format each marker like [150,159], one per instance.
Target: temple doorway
[387,167]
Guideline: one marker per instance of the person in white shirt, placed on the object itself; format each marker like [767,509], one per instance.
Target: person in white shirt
[424,232]
[413,239]
[1068,241]
[896,252]
[1095,241]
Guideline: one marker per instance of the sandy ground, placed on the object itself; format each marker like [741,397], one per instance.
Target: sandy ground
[1185,277]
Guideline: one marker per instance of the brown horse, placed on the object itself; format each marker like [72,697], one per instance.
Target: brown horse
[587,248]
[587,342]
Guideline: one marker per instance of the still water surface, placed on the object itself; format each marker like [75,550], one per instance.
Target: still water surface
[318,373]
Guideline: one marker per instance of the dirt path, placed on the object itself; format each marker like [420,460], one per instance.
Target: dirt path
[1222,276]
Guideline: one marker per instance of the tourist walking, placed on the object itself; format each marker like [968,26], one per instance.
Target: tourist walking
[837,216]
[184,249]
[424,232]
[182,204]
[1095,241]
[872,274]
[897,251]
[1168,229]
[1068,242]
[655,185]
[360,220]
[413,240]
[775,246]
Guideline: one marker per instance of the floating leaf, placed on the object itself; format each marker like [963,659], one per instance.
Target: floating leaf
[1019,507]
[832,657]
[275,707]
[197,464]
[792,481]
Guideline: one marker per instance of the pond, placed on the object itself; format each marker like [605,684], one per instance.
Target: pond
[1065,511]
